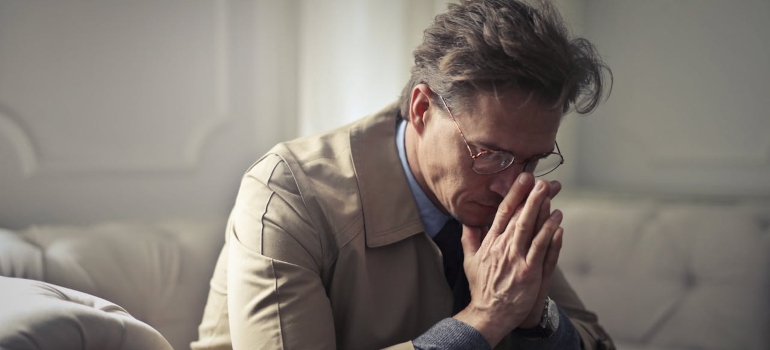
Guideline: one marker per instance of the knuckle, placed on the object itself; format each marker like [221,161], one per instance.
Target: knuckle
[505,209]
[495,250]
[528,274]
[522,225]
[540,245]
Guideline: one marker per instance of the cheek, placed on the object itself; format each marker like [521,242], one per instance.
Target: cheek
[449,180]
[446,161]
[467,188]
[473,202]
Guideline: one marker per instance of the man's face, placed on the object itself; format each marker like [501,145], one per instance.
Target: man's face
[515,122]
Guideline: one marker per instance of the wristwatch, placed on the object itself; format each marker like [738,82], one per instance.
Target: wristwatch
[548,324]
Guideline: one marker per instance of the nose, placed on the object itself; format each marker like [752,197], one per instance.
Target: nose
[502,181]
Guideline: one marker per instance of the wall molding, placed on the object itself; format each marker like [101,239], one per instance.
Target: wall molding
[204,132]
[21,143]
[185,156]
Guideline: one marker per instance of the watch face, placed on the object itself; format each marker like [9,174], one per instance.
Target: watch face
[548,325]
[553,314]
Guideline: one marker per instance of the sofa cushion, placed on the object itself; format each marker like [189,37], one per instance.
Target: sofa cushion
[665,274]
[36,315]
[159,272]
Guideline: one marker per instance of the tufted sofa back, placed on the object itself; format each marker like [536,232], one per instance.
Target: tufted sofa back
[660,273]
[158,272]
[671,274]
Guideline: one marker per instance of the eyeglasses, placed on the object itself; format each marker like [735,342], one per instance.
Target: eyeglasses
[487,162]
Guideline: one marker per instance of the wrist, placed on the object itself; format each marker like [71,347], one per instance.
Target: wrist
[548,325]
[536,317]
[492,331]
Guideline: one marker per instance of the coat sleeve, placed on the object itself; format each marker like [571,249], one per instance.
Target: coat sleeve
[592,335]
[275,256]
[276,297]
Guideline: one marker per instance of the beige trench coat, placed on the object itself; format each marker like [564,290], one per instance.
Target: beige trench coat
[325,249]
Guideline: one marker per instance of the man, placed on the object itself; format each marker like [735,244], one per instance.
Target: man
[350,239]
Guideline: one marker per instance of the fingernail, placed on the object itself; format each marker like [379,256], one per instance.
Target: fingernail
[556,215]
[523,178]
[540,185]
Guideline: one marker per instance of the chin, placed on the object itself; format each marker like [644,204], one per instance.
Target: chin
[478,216]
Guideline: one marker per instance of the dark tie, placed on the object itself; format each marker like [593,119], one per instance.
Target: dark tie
[448,240]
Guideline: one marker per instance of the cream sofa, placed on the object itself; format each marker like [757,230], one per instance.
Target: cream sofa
[158,272]
[662,273]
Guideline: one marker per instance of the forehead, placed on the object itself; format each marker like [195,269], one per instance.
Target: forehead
[515,121]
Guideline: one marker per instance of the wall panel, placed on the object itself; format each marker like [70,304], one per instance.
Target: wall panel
[688,112]
[135,110]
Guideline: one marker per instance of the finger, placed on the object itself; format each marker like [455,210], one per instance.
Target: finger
[552,256]
[524,226]
[471,241]
[517,212]
[508,207]
[554,188]
[541,243]
[483,231]
[545,211]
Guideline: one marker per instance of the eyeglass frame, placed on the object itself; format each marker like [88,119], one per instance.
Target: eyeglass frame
[483,151]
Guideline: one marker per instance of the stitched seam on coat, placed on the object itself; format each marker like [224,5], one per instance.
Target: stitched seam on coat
[312,223]
[299,190]
[272,261]
[265,183]
[313,219]
[278,304]
[262,224]
[345,243]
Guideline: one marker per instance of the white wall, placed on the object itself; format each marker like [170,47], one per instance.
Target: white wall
[688,112]
[141,110]
[573,12]
[355,56]
[136,110]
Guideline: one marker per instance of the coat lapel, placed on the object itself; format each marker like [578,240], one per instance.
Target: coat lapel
[390,212]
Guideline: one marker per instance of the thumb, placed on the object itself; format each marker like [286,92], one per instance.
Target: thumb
[471,241]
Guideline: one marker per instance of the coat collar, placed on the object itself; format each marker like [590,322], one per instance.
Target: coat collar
[389,210]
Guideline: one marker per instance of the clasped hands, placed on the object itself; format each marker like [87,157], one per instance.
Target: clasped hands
[509,265]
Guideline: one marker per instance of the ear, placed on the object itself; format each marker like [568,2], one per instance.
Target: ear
[419,106]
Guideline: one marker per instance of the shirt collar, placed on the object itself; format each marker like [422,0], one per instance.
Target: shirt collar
[432,218]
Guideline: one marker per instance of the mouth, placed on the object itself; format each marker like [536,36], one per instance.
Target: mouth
[489,205]
[482,215]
